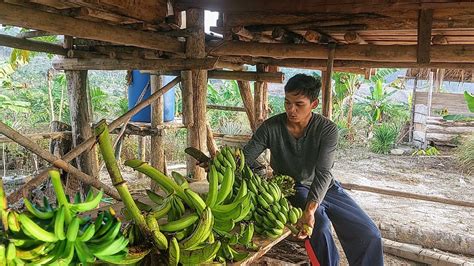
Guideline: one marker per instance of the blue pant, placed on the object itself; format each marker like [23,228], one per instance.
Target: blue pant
[358,235]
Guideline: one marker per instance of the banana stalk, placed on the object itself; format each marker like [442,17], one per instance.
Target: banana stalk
[105,145]
[3,202]
[60,195]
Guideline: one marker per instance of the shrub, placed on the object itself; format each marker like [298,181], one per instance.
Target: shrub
[384,138]
[465,155]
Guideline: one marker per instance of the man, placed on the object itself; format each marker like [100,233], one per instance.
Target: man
[303,145]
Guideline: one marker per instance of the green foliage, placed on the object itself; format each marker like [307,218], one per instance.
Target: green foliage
[226,93]
[382,74]
[469,100]
[377,103]
[431,151]
[385,136]
[276,105]
[465,154]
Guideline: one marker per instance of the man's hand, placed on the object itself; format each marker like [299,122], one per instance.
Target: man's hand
[306,222]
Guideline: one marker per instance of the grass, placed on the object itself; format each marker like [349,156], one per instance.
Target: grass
[465,155]
[384,138]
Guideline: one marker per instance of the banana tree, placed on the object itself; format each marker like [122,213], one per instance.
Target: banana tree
[377,103]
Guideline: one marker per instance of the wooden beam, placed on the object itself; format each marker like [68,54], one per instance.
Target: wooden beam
[187,96]
[425,22]
[341,65]
[33,34]
[276,77]
[352,37]
[130,64]
[226,108]
[30,45]
[195,48]
[419,254]
[59,24]
[247,99]
[40,136]
[408,195]
[376,53]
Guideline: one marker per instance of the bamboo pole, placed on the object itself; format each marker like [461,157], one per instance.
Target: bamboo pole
[226,108]
[15,196]
[57,162]
[39,136]
[402,194]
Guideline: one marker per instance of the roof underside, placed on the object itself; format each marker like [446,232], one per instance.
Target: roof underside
[364,25]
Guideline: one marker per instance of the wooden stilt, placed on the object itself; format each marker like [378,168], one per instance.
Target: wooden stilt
[259,97]
[195,48]
[141,152]
[157,153]
[327,93]
[211,143]
[81,120]
[187,96]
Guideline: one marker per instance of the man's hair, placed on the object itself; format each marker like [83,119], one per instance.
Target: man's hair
[306,85]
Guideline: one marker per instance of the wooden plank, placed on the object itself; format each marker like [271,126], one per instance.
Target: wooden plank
[86,13]
[59,24]
[130,64]
[419,254]
[33,34]
[425,22]
[380,53]
[276,77]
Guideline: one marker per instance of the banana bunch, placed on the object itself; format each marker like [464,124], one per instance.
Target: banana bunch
[60,235]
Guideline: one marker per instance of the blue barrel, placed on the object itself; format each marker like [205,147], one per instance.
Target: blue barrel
[139,81]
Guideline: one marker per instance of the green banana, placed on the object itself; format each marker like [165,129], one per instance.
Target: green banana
[281,217]
[173,252]
[268,198]
[247,234]
[228,155]
[158,199]
[87,234]
[90,195]
[199,256]
[201,232]
[84,255]
[196,200]
[163,209]
[99,220]
[35,230]
[110,234]
[122,258]
[10,253]
[180,224]
[3,255]
[13,224]
[89,205]
[237,256]
[73,229]
[224,225]
[226,185]
[261,201]
[292,216]
[180,179]
[110,248]
[36,212]
[284,204]
[158,237]
[33,253]
[252,187]
[242,160]
[213,187]
[59,223]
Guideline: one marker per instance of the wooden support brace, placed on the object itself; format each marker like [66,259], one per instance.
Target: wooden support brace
[31,45]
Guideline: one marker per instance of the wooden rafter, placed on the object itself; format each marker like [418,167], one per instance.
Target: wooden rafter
[425,22]
[59,24]
[37,46]
[130,64]
[380,53]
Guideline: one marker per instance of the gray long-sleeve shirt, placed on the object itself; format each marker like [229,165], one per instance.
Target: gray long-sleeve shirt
[308,160]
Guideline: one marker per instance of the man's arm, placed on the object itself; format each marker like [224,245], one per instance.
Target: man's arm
[257,144]
[323,176]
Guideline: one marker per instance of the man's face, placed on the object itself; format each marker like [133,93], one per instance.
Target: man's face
[298,107]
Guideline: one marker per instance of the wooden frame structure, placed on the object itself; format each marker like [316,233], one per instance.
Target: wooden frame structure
[164,36]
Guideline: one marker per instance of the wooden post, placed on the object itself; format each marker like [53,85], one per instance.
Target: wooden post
[195,48]
[258,97]
[430,97]
[327,90]
[81,121]
[412,116]
[247,99]
[157,152]
[439,77]
[187,96]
